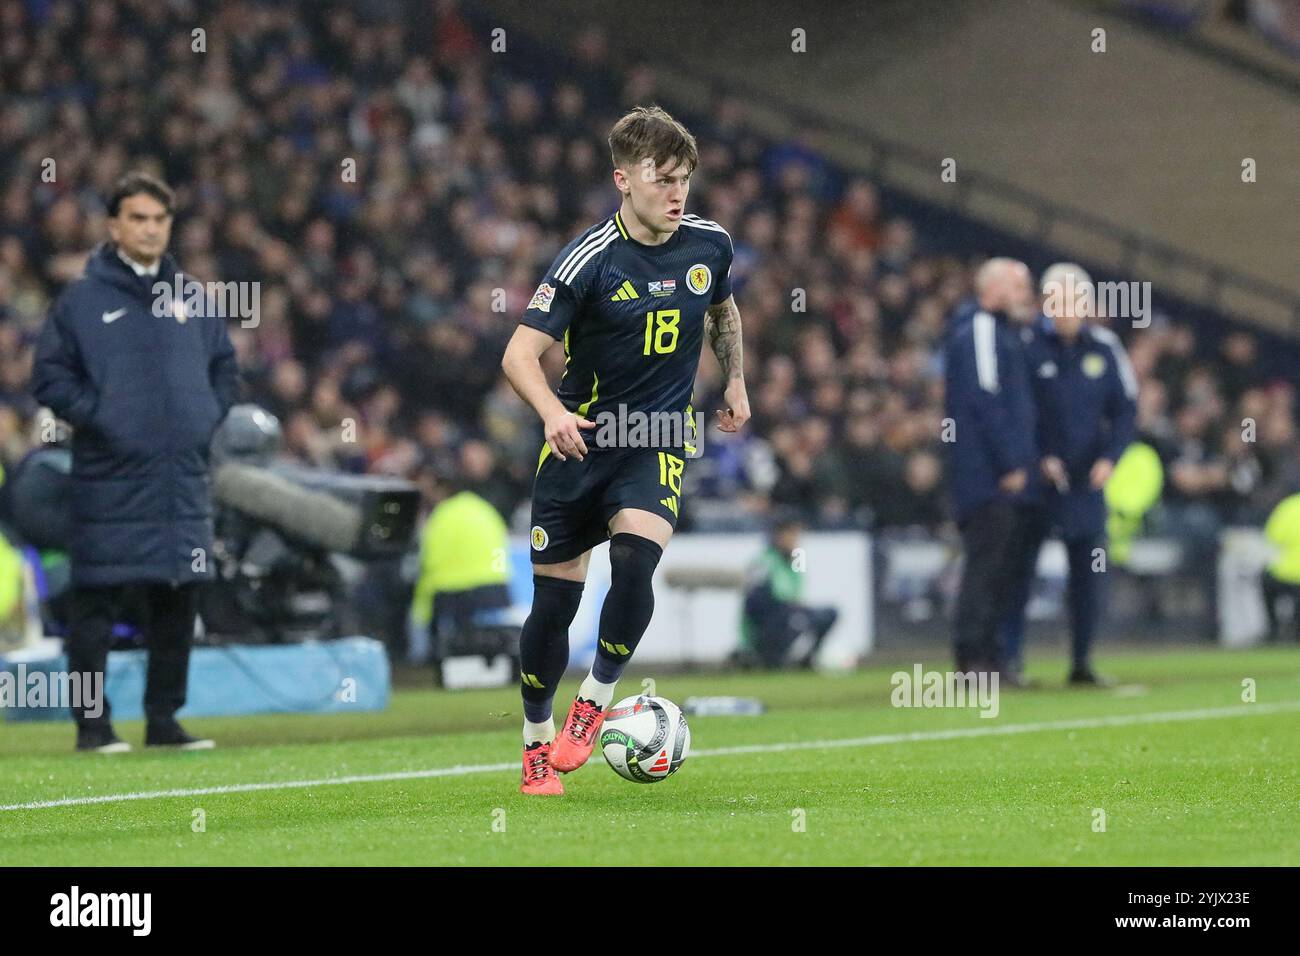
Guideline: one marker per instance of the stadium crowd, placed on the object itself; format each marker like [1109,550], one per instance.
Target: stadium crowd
[398,212]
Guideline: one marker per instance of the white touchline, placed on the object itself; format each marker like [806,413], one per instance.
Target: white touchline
[918,736]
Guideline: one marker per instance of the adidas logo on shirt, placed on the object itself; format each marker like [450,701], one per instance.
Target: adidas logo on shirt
[626,292]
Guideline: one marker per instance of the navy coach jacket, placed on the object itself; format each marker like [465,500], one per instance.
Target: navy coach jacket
[1086,396]
[144,395]
[988,397]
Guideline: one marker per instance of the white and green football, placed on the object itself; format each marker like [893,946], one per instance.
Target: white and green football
[645,739]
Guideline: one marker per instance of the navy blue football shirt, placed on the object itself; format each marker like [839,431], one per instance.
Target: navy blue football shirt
[631,316]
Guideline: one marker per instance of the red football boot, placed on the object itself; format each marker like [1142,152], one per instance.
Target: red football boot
[573,746]
[539,776]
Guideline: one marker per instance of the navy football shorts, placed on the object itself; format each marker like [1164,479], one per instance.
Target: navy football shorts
[574,501]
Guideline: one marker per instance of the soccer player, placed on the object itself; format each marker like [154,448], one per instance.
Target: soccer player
[632,300]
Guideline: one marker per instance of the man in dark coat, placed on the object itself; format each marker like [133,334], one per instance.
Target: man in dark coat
[144,382]
[989,409]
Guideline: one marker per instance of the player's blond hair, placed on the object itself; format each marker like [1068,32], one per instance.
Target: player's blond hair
[649,132]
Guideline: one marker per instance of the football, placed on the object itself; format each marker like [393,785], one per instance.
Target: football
[645,739]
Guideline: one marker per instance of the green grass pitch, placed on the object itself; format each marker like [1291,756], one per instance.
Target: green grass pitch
[1185,772]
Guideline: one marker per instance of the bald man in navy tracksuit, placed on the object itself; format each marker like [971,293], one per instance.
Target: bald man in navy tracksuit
[993,474]
[1085,397]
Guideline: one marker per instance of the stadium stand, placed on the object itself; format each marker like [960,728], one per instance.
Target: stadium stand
[387,297]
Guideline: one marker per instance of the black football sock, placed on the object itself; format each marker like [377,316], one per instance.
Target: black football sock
[628,606]
[544,643]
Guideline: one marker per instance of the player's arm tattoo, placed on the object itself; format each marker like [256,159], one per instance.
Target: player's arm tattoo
[722,326]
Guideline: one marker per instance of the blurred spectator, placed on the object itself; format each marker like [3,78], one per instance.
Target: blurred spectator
[1280,581]
[777,629]
[464,568]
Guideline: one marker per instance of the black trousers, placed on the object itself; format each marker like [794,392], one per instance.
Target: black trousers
[780,628]
[454,611]
[168,626]
[991,539]
[1274,592]
[1085,594]
[1034,526]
